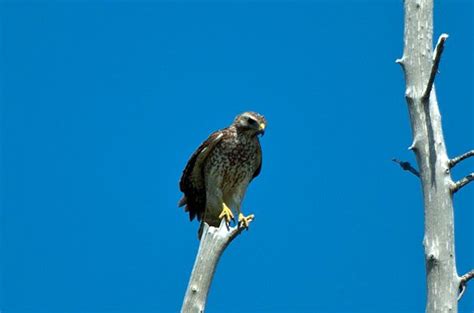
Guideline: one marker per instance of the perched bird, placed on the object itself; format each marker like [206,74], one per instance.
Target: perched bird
[218,173]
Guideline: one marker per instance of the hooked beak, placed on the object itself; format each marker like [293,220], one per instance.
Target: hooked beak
[261,129]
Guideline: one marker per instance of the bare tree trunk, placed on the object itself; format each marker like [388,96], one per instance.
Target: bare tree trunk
[420,66]
[213,243]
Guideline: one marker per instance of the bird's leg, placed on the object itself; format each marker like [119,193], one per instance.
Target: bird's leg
[243,220]
[226,213]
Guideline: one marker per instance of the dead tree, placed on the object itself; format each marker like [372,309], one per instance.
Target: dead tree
[420,65]
[214,241]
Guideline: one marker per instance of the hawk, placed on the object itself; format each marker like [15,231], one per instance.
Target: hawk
[218,173]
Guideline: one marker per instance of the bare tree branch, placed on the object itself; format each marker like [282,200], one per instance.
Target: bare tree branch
[463,182]
[213,243]
[406,166]
[453,162]
[462,289]
[463,283]
[467,277]
[436,59]
[420,66]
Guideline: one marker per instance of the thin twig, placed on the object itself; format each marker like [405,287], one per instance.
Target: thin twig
[463,283]
[462,182]
[436,59]
[406,166]
[467,277]
[462,289]
[456,160]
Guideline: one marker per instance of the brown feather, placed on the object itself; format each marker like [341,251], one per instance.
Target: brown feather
[192,180]
[259,168]
[221,168]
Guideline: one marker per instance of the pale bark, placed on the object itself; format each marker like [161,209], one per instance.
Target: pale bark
[420,64]
[213,243]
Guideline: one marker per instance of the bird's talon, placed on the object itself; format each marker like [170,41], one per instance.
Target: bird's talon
[227,214]
[244,221]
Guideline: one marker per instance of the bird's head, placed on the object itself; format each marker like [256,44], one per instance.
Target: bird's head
[251,122]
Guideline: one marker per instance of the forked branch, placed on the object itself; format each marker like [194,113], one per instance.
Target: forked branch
[456,160]
[434,69]
[420,66]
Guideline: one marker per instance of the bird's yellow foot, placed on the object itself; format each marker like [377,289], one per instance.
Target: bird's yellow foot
[244,221]
[226,213]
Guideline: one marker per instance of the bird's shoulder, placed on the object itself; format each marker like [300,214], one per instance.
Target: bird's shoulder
[193,171]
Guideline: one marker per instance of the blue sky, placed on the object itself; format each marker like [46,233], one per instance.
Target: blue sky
[102,103]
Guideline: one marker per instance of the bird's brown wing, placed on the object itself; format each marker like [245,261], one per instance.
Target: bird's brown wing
[192,182]
[259,156]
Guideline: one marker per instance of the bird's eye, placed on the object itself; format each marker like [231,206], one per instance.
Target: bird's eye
[251,121]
